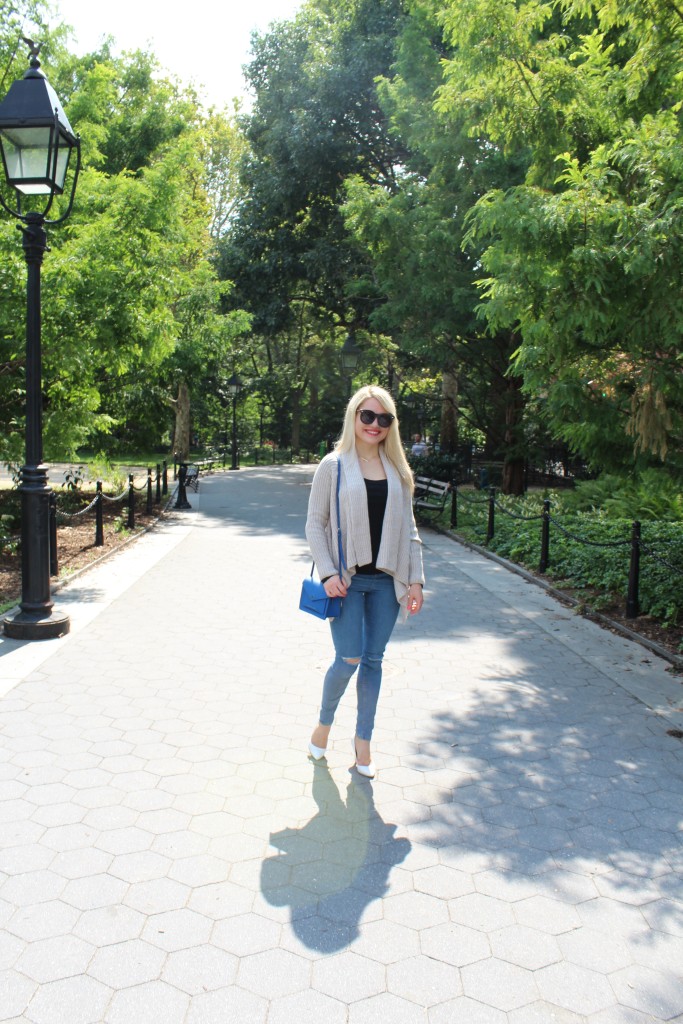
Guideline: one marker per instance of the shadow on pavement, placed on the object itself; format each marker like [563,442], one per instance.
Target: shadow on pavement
[333,867]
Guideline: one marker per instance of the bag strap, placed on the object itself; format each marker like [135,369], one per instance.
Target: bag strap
[342,564]
[339,535]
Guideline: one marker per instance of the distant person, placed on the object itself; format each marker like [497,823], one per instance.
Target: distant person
[420,447]
[381,572]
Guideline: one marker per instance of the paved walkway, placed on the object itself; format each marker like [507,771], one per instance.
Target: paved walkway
[169,854]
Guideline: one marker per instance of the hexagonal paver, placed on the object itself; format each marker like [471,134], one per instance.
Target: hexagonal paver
[202,869]
[157,896]
[443,882]
[549,1013]
[575,988]
[482,912]
[306,1008]
[424,981]
[349,977]
[227,1004]
[499,984]
[201,969]
[649,991]
[415,910]
[16,991]
[109,925]
[79,1000]
[148,1004]
[546,915]
[525,947]
[42,921]
[245,934]
[127,963]
[455,944]
[94,891]
[32,887]
[470,1011]
[274,973]
[222,900]
[387,942]
[177,929]
[56,958]
[595,950]
[386,1007]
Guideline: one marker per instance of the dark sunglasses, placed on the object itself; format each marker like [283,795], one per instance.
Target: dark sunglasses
[384,419]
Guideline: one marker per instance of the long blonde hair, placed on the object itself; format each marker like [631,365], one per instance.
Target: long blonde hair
[391,445]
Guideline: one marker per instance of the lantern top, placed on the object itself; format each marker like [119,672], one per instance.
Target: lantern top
[32,102]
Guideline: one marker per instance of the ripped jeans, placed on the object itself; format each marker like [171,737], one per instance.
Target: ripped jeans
[361,631]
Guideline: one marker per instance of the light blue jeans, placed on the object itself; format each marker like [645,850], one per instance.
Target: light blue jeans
[362,630]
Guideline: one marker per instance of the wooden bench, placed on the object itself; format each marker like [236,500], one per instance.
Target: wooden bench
[192,476]
[430,496]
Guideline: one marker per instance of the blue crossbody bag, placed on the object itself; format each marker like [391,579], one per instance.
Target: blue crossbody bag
[313,599]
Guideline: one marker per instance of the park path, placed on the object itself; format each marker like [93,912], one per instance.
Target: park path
[169,854]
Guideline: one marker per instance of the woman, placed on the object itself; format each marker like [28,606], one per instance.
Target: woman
[382,570]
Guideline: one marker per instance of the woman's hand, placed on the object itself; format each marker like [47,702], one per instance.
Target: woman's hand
[415,598]
[335,587]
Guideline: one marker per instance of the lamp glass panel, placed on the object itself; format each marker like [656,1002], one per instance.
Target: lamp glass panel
[30,162]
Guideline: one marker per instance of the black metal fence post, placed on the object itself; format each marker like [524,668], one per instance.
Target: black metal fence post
[54,557]
[149,491]
[99,523]
[157,497]
[491,524]
[454,505]
[632,598]
[131,503]
[164,479]
[181,500]
[545,537]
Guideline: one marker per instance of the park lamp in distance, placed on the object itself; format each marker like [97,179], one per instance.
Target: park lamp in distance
[36,138]
[350,354]
[234,386]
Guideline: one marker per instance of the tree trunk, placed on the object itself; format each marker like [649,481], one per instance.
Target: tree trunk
[296,420]
[513,464]
[449,412]
[181,433]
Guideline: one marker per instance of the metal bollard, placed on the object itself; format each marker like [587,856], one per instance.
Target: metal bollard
[164,480]
[491,524]
[149,491]
[131,503]
[99,524]
[633,597]
[54,558]
[545,537]
[158,485]
[454,505]
[181,500]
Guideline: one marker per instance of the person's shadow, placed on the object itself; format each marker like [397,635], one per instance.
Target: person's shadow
[332,868]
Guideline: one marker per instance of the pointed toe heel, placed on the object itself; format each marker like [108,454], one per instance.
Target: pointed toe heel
[316,752]
[368,771]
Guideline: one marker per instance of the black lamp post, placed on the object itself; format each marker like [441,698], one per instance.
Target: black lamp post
[349,356]
[36,140]
[234,388]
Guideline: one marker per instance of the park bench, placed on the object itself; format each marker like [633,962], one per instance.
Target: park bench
[430,496]
[197,467]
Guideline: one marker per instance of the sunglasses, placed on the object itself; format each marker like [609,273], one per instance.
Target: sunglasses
[384,419]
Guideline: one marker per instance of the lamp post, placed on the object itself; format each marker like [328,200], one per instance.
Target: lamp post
[36,140]
[234,388]
[348,357]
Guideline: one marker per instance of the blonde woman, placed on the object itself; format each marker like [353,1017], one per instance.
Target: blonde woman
[382,570]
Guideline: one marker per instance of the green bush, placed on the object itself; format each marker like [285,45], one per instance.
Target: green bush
[601,571]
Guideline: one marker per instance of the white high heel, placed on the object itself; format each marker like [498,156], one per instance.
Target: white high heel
[367,770]
[316,752]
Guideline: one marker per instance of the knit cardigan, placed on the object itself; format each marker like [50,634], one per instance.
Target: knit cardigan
[400,552]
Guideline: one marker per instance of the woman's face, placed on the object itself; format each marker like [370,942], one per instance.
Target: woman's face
[370,433]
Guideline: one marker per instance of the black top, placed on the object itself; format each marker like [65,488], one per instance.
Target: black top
[377,491]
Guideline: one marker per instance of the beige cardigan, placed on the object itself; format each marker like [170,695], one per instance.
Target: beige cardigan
[400,553]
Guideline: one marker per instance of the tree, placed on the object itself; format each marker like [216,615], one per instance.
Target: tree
[583,257]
